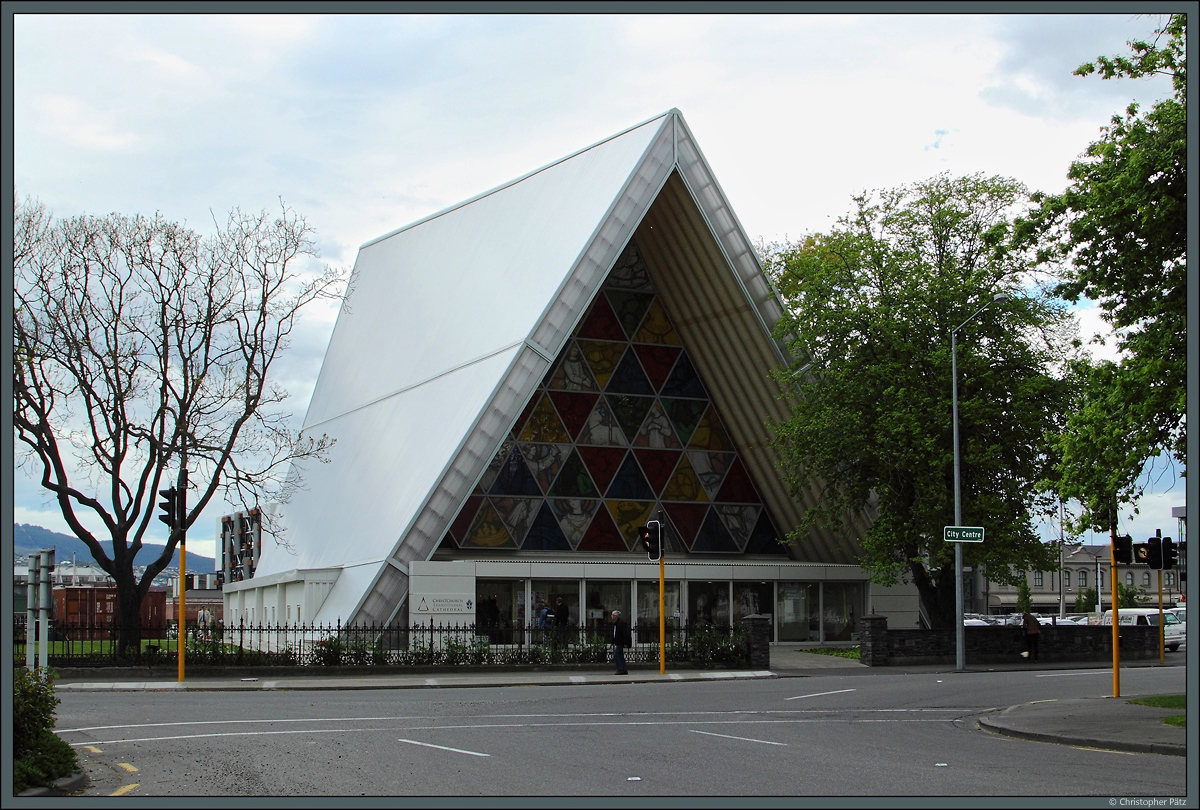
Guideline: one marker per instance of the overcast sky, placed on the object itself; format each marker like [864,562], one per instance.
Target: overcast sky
[365,123]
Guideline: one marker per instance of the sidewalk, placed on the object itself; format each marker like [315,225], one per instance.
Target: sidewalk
[1108,723]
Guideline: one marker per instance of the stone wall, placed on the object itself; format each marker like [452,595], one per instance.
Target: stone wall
[880,646]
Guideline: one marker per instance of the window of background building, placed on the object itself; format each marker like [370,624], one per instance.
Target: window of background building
[550,589]
[1170,579]
[499,608]
[842,604]
[797,611]
[750,598]
[1037,579]
[1083,579]
[647,608]
[1129,579]
[708,603]
[1145,578]
[603,597]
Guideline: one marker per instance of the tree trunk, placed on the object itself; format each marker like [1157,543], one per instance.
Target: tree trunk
[129,617]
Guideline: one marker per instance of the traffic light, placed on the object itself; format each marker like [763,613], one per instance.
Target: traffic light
[1170,553]
[170,507]
[1123,550]
[1154,555]
[650,538]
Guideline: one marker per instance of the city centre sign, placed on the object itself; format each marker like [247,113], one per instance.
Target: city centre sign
[962,534]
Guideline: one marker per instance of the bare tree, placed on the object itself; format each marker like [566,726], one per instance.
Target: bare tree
[142,348]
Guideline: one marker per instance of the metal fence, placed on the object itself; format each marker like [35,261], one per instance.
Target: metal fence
[374,645]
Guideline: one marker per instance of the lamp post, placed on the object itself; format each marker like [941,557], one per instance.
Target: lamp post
[959,639]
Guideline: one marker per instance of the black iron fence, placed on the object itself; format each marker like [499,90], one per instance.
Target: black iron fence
[423,645]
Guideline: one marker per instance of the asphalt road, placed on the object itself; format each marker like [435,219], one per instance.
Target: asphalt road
[823,735]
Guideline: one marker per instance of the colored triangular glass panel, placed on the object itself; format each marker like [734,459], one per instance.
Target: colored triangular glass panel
[737,487]
[493,468]
[656,327]
[602,535]
[686,519]
[629,378]
[602,463]
[630,272]
[544,461]
[629,483]
[683,381]
[628,515]
[515,478]
[571,372]
[574,481]
[710,468]
[684,485]
[524,417]
[601,323]
[574,515]
[657,361]
[462,521]
[739,520]
[544,534]
[602,357]
[487,530]
[710,434]
[629,411]
[657,466]
[544,426]
[630,308]
[573,408]
[657,430]
[517,514]
[602,428]
[765,539]
[713,537]
[685,415]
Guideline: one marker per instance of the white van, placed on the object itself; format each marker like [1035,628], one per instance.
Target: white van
[1174,631]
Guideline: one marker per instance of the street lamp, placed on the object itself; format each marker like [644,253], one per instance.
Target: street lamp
[959,640]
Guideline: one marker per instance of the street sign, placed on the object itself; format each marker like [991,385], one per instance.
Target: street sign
[962,534]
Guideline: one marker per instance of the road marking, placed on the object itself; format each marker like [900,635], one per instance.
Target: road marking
[1068,674]
[578,679]
[125,766]
[445,748]
[123,789]
[819,694]
[731,737]
[92,749]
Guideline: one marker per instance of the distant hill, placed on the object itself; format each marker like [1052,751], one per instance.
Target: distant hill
[28,539]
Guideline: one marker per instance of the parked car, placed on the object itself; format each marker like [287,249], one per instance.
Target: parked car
[1174,631]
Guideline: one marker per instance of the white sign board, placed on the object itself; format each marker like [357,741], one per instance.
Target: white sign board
[444,603]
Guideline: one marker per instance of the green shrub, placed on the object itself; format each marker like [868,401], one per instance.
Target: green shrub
[39,755]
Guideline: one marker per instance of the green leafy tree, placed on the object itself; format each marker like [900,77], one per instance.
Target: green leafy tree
[141,347]
[871,306]
[1085,601]
[1024,601]
[1120,231]
[1129,596]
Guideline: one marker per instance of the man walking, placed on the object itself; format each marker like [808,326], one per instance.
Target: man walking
[621,639]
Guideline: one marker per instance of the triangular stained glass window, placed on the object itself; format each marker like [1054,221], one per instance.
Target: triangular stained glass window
[602,357]
[657,430]
[601,323]
[656,327]
[602,535]
[630,308]
[629,483]
[683,381]
[572,372]
[573,408]
[573,480]
[574,515]
[569,450]
[544,426]
[657,361]
[517,514]
[630,412]
[544,461]
[545,534]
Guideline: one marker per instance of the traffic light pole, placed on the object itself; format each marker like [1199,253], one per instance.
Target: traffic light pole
[180,520]
[1112,577]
